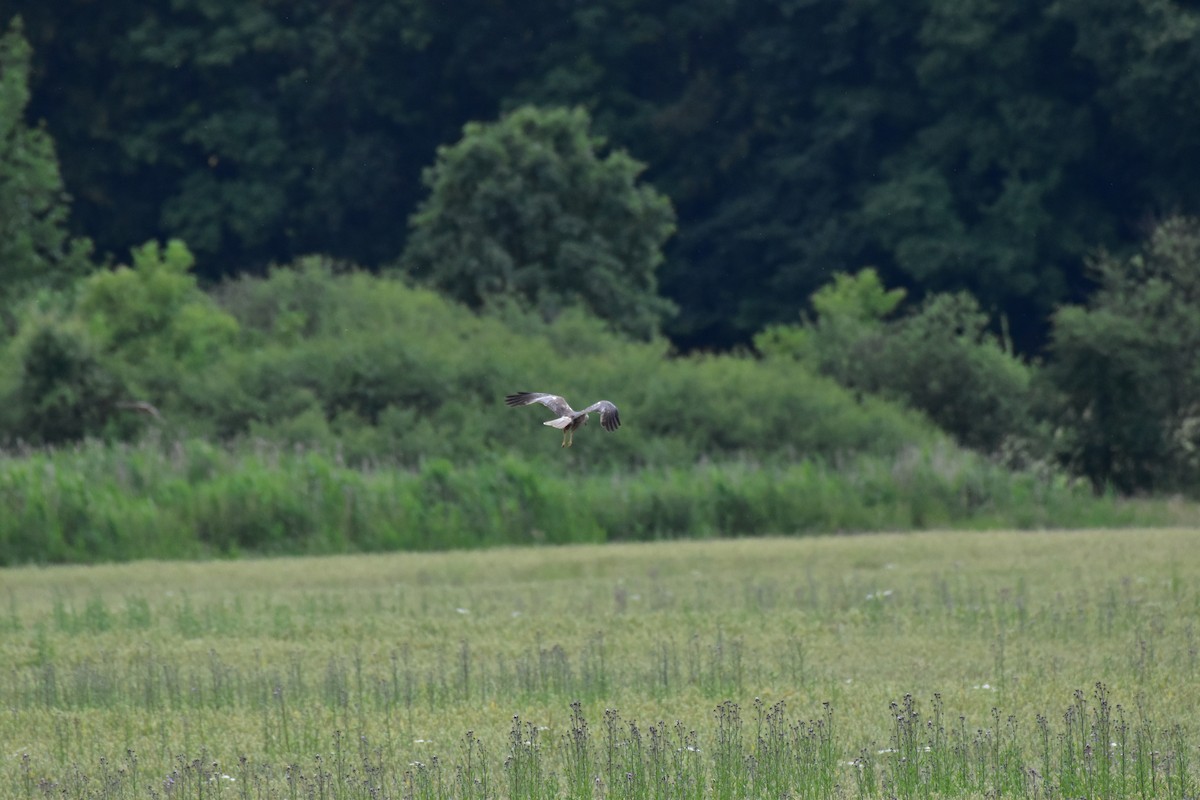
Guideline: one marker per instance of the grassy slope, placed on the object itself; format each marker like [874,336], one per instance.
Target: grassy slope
[268,658]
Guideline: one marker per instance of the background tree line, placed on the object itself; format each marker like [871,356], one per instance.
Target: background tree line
[991,163]
[955,145]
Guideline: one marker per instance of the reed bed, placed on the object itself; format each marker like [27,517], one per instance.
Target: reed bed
[186,499]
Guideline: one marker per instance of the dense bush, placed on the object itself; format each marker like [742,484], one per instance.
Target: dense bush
[154,323]
[389,371]
[63,391]
[80,358]
[321,355]
[940,359]
[1126,367]
[943,360]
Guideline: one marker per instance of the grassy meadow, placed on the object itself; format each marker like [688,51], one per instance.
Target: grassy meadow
[977,664]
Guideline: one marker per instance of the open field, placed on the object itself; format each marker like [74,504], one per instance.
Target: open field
[910,665]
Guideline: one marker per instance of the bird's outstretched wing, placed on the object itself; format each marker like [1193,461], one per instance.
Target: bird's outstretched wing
[141,407]
[550,401]
[610,419]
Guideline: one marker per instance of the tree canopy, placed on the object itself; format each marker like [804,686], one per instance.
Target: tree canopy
[526,209]
[35,248]
[957,145]
[1126,366]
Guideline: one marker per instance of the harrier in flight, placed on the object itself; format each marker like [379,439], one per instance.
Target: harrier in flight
[568,420]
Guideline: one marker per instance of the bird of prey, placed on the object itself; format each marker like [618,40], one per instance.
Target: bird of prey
[567,419]
[140,406]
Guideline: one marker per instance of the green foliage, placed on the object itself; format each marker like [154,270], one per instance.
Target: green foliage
[1127,367]
[974,146]
[64,391]
[395,372]
[527,209]
[289,141]
[317,355]
[152,320]
[80,360]
[944,361]
[849,309]
[986,192]
[859,297]
[170,499]
[1145,61]
[940,359]
[35,247]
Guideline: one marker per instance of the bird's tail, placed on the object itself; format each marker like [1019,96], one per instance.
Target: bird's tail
[561,423]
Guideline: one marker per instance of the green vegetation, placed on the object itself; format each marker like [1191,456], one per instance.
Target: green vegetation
[191,499]
[384,372]
[939,358]
[380,383]
[922,665]
[553,241]
[525,210]
[35,249]
[257,400]
[138,330]
[1127,367]
[956,144]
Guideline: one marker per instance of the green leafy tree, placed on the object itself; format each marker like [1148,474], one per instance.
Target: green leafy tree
[527,209]
[1144,61]
[254,132]
[35,247]
[989,191]
[1126,367]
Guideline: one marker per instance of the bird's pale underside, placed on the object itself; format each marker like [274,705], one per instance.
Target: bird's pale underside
[567,419]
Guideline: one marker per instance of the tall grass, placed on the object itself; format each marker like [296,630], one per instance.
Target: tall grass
[1030,665]
[185,499]
[779,755]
